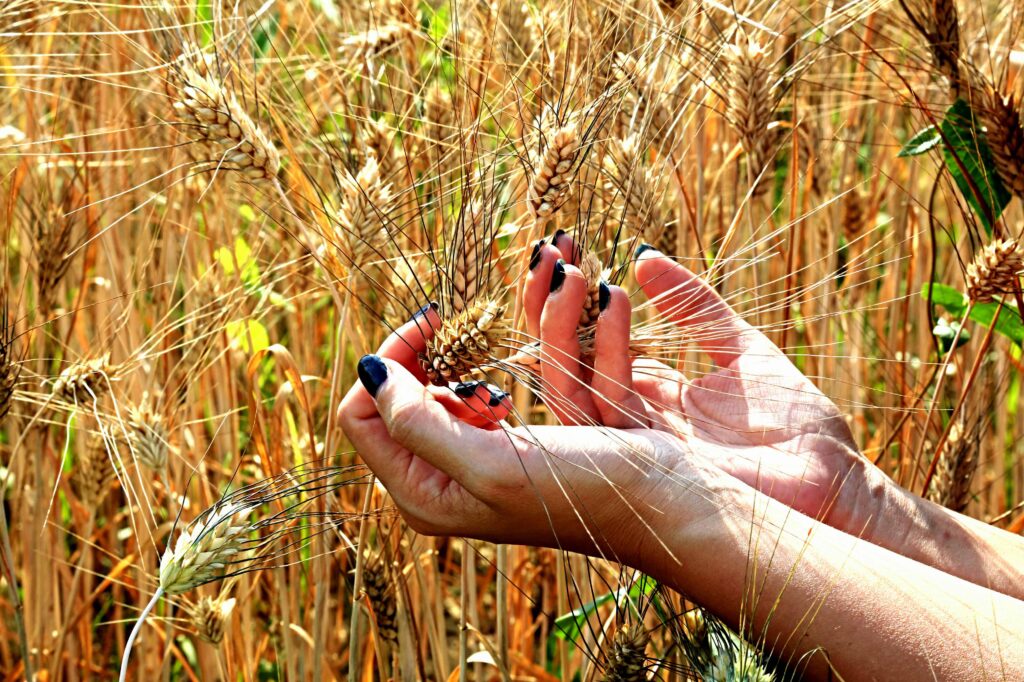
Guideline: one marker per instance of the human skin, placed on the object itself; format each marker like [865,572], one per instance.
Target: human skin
[745,471]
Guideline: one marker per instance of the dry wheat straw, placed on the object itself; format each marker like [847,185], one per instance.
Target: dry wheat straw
[995,270]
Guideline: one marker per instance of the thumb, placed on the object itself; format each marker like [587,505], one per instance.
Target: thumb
[416,420]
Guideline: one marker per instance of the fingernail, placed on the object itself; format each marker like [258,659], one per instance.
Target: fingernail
[558,276]
[466,389]
[497,395]
[642,249]
[372,372]
[604,294]
[423,311]
[558,235]
[535,256]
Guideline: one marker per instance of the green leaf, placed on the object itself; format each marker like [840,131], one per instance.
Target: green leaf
[243,258]
[262,36]
[249,335]
[568,626]
[922,142]
[1009,323]
[204,20]
[967,155]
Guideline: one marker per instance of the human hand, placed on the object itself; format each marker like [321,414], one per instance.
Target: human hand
[754,416]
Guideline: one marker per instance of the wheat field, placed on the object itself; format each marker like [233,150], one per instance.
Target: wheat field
[211,209]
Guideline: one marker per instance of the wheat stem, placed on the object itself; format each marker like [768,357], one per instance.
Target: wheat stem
[135,633]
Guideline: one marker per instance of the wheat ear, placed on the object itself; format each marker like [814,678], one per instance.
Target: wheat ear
[1005,133]
[551,180]
[211,114]
[995,270]
[750,103]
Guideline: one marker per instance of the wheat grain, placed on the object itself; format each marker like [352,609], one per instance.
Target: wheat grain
[590,267]
[626,660]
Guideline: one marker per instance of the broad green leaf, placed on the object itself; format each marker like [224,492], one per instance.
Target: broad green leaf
[204,20]
[1009,323]
[249,335]
[967,155]
[922,142]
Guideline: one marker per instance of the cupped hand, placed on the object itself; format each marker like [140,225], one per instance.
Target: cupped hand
[643,450]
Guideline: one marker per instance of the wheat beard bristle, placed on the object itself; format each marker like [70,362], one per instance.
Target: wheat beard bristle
[204,550]
[214,116]
[464,342]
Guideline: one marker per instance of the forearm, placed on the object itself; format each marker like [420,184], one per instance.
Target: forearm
[951,542]
[808,588]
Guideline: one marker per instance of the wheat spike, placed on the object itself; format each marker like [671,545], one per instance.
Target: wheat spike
[464,342]
[359,224]
[626,660]
[9,367]
[209,617]
[469,251]
[945,40]
[212,115]
[379,590]
[147,435]
[951,485]
[552,170]
[85,381]
[590,267]
[995,270]
[750,102]
[206,548]
[92,472]
[375,41]
[1005,134]
[636,192]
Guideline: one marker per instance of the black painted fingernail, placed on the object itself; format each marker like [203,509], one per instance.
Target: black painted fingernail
[466,389]
[497,395]
[558,235]
[423,311]
[372,372]
[604,294]
[535,256]
[558,275]
[640,250]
